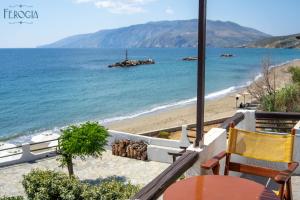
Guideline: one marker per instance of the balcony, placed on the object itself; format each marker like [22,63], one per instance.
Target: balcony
[215,141]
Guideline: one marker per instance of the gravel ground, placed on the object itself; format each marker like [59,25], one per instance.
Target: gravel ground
[135,171]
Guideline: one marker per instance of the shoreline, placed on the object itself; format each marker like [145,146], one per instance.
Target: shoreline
[221,106]
[172,117]
[218,104]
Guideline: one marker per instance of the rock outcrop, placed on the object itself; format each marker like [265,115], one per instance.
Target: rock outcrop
[227,55]
[190,58]
[132,63]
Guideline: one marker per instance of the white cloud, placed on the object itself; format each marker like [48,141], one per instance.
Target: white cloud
[119,6]
[169,11]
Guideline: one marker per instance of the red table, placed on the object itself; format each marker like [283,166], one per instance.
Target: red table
[218,188]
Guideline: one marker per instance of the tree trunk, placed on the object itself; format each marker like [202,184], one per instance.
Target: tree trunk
[70,165]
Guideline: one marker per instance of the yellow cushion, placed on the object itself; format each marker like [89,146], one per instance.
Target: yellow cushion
[261,146]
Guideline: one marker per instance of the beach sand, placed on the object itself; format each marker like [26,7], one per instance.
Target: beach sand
[220,107]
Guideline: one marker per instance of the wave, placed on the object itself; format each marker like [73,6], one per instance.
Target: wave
[209,96]
[21,138]
[260,75]
[152,110]
[222,93]
[284,63]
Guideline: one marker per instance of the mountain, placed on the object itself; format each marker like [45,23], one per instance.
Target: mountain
[290,41]
[163,34]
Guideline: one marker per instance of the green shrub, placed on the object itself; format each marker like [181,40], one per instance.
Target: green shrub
[12,198]
[111,189]
[286,99]
[48,185]
[295,71]
[164,134]
[268,103]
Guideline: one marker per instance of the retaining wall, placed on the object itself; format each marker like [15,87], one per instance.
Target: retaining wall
[157,150]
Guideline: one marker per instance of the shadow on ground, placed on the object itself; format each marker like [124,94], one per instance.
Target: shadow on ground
[269,183]
[98,181]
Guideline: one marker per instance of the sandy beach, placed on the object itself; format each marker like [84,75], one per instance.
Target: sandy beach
[224,106]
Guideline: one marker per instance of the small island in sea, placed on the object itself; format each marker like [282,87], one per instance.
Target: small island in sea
[190,58]
[132,63]
[227,55]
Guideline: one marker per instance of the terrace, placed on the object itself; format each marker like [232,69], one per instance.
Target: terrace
[215,141]
[188,162]
[160,172]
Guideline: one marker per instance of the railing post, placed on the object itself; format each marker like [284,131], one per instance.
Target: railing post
[157,186]
[26,154]
[184,140]
[201,71]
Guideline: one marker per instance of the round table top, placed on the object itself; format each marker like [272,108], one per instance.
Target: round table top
[216,188]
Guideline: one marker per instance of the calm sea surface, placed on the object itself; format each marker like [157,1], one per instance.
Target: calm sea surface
[45,89]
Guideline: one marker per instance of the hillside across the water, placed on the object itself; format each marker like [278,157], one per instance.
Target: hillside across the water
[163,34]
[290,41]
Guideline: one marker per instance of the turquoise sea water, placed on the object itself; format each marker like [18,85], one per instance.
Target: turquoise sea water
[45,89]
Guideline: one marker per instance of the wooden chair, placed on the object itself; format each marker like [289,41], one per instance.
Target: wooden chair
[260,146]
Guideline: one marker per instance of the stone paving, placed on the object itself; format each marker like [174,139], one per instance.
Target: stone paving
[296,187]
[135,171]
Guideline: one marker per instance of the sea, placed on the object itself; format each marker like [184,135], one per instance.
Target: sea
[47,89]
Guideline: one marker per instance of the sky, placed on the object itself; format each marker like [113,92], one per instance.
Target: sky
[61,18]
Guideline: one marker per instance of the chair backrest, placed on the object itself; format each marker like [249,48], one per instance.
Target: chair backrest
[261,146]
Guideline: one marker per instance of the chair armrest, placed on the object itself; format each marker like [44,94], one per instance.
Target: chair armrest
[285,175]
[209,164]
[220,156]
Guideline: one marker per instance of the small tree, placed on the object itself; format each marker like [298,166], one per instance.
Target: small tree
[81,141]
[264,86]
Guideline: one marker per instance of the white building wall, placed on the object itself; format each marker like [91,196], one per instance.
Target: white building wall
[214,143]
[158,148]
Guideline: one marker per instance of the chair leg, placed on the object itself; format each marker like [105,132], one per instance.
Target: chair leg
[281,192]
[216,170]
[226,171]
[288,190]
